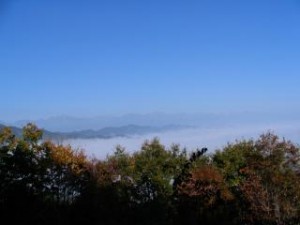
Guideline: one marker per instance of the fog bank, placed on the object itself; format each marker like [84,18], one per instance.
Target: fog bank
[212,138]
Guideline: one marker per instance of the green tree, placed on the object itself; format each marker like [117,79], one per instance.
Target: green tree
[155,171]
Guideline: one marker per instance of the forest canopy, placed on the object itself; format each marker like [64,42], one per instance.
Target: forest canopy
[246,182]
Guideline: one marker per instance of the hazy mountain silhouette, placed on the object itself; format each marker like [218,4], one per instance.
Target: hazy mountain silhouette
[107,132]
[203,120]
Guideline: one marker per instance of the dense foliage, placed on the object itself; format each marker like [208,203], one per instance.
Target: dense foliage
[248,182]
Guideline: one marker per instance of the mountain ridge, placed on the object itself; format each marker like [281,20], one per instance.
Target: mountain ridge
[104,133]
[203,120]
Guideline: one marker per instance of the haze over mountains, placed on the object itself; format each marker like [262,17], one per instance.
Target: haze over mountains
[104,133]
[203,120]
[69,124]
[100,135]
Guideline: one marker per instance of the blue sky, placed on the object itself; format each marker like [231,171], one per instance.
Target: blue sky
[88,58]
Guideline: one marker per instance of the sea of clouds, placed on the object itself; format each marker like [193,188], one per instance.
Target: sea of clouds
[192,138]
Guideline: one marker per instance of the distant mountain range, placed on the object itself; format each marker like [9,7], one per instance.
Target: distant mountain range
[203,120]
[66,127]
[17,131]
[104,133]
[70,124]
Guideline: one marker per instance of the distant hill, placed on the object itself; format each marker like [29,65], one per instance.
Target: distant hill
[70,124]
[107,132]
[17,131]
[202,120]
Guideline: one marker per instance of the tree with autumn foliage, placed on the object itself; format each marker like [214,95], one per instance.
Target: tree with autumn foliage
[264,177]
[38,180]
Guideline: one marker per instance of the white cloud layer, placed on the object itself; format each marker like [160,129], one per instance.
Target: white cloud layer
[213,138]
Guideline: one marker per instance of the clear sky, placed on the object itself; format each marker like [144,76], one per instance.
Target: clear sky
[87,58]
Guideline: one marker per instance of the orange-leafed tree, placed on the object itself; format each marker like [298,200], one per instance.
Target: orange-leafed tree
[264,177]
